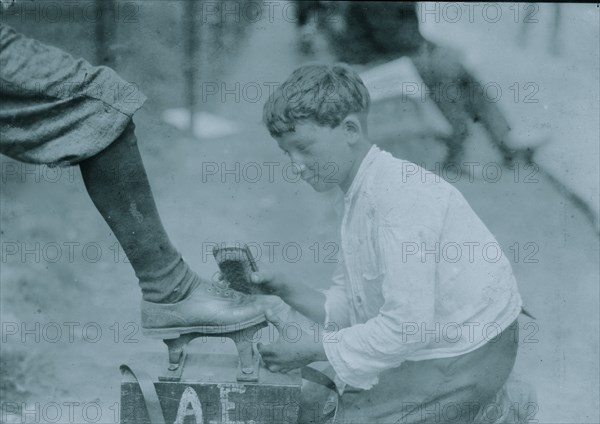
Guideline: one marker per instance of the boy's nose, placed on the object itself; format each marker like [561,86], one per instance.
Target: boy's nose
[298,168]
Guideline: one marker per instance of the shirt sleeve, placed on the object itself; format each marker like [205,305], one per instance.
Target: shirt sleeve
[337,307]
[359,353]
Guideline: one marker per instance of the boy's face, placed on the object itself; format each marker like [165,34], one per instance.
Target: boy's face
[322,156]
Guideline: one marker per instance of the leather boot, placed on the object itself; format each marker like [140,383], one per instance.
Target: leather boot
[212,308]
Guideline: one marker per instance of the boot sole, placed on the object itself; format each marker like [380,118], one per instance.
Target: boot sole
[175,332]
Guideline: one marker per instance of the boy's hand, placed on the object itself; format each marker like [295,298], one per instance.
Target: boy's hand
[270,282]
[265,282]
[295,347]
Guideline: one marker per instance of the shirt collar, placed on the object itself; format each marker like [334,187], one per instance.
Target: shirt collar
[366,163]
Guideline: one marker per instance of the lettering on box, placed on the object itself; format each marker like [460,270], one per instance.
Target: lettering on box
[190,405]
[189,398]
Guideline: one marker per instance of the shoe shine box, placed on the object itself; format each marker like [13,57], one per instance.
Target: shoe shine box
[209,392]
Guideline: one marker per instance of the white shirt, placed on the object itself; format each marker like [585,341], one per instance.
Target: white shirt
[421,277]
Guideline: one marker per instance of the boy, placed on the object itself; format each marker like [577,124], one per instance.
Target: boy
[421,320]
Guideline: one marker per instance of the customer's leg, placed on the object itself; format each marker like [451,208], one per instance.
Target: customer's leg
[117,184]
[56,109]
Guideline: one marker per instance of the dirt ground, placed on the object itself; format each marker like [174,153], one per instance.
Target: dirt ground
[70,302]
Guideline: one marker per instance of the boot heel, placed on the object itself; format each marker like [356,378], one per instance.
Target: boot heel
[177,355]
[249,358]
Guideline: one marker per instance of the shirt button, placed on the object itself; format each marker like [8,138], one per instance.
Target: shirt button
[358,300]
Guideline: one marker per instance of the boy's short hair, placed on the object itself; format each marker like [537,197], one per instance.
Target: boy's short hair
[324,94]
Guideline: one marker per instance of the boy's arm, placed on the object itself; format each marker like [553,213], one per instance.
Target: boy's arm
[293,349]
[306,300]
[329,306]
[337,304]
[359,353]
[305,345]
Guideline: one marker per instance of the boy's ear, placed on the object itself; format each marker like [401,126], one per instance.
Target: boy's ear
[352,128]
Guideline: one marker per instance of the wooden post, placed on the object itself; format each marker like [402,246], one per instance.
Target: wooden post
[105,32]
[190,35]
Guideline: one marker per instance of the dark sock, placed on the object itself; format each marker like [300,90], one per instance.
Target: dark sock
[172,284]
[118,185]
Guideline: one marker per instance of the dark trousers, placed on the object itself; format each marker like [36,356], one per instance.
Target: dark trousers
[461,389]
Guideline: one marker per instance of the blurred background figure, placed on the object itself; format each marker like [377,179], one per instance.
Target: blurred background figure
[376,32]
[307,15]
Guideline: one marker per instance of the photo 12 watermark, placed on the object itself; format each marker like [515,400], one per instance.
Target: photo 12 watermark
[72,412]
[55,12]
[467,12]
[251,92]
[69,332]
